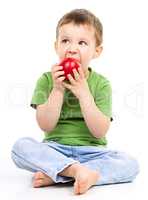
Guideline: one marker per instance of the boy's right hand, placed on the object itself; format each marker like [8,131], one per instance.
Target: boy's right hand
[58,77]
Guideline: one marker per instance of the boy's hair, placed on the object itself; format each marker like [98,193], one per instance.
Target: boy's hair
[84,17]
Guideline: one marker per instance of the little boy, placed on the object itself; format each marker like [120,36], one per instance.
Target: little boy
[75,116]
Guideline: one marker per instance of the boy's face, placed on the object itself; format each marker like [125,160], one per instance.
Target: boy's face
[77,41]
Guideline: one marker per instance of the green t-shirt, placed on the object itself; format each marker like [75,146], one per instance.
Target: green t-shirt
[71,128]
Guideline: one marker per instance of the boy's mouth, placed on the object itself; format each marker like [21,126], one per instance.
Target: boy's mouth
[77,59]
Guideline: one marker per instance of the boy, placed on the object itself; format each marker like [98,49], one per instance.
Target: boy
[75,116]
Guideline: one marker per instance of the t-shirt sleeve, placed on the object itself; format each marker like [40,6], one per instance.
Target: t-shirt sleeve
[103,98]
[41,91]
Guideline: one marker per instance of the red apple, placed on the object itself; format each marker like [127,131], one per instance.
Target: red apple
[68,65]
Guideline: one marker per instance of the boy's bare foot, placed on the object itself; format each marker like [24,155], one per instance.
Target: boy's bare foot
[84,179]
[41,180]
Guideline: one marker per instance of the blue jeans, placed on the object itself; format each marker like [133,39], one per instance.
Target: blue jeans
[51,158]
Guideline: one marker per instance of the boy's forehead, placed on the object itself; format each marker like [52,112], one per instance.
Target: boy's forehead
[73,29]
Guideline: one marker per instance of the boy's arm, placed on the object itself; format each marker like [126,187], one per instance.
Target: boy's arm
[96,121]
[48,114]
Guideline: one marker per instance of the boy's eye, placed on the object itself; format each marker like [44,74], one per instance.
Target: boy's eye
[82,42]
[65,41]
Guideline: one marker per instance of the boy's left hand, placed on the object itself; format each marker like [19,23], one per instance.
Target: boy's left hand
[78,85]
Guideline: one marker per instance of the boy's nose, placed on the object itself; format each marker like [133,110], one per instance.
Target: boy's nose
[71,52]
[72,49]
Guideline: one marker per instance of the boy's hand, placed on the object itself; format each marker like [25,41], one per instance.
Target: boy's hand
[78,85]
[58,77]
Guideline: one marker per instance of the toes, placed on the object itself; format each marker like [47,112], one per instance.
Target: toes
[38,175]
[42,182]
[80,187]
[38,183]
[83,187]
[76,187]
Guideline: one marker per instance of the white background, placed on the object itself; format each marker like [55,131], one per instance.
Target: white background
[27,35]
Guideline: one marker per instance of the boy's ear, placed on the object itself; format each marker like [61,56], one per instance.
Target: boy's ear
[98,51]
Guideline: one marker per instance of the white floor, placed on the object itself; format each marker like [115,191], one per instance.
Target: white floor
[16,184]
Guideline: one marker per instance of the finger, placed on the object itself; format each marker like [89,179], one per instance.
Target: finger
[76,74]
[58,73]
[81,72]
[61,79]
[56,68]
[79,63]
[71,79]
[66,85]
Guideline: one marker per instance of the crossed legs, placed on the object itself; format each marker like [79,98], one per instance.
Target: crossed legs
[84,178]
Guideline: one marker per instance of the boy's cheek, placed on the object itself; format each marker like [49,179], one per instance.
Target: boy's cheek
[62,52]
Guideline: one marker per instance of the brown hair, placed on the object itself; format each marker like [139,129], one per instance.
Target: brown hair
[84,17]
